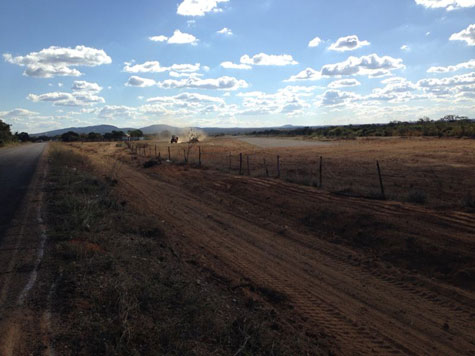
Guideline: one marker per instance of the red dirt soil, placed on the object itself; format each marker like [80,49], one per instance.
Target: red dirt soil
[378,277]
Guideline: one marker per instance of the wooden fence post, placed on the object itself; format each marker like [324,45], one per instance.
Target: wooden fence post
[248,168]
[380,181]
[169,155]
[184,155]
[240,164]
[199,156]
[320,172]
[278,166]
[265,166]
[159,157]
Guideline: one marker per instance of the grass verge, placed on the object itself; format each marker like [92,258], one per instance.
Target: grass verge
[123,290]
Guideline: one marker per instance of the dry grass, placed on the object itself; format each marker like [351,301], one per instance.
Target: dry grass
[123,290]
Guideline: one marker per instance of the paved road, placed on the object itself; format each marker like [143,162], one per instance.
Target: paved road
[17,165]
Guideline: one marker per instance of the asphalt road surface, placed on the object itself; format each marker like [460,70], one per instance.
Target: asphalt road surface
[17,166]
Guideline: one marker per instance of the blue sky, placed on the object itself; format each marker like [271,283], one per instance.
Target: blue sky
[234,63]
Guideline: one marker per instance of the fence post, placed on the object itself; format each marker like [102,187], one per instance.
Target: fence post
[169,156]
[278,166]
[240,164]
[184,155]
[199,156]
[265,166]
[320,172]
[159,157]
[380,181]
[248,168]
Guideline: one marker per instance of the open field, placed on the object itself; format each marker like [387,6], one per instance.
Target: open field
[369,275]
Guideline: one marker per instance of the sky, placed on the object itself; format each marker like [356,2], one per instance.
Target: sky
[234,63]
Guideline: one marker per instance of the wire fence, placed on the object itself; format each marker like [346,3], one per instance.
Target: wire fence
[353,177]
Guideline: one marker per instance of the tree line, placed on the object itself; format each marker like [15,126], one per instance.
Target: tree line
[448,126]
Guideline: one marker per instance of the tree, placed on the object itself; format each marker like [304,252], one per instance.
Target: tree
[5,133]
[69,136]
[22,136]
[94,136]
[135,133]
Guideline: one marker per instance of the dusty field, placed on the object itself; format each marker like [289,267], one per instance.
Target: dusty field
[434,172]
[272,142]
[374,276]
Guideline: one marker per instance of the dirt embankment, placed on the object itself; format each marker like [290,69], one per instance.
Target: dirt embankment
[376,277]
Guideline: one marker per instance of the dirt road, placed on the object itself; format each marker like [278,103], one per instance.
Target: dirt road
[22,170]
[256,232]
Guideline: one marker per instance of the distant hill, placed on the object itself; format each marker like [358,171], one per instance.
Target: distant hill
[102,129]
[154,129]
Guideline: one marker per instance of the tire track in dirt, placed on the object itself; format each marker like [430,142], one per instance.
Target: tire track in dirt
[367,311]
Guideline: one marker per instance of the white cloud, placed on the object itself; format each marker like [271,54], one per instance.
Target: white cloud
[199,7]
[337,97]
[225,31]
[59,61]
[231,65]
[160,38]
[467,35]
[449,5]
[187,97]
[117,112]
[178,37]
[307,74]
[348,43]
[80,98]
[221,83]
[344,83]
[83,86]
[371,65]
[17,113]
[315,42]
[155,67]
[464,65]
[405,48]
[444,84]
[136,81]
[263,59]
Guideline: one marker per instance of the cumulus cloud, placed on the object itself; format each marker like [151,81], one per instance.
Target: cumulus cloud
[444,84]
[405,48]
[337,97]
[371,65]
[16,113]
[199,7]
[344,83]
[117,112]
[467,35]
[307,74]
[187,97]
[81,98]
[59,61]
[290,100]
[262,59]
[449,5]
[464,65]
[221,83]
[136,81]
[231,65]
[83,86]
[315,42]
[225,31]
[348,43]
[155,67]
[178,37]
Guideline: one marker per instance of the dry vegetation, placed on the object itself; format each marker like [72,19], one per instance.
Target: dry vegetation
[213,261]
[122,288]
